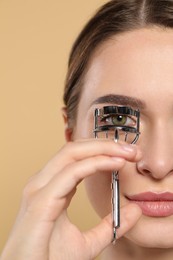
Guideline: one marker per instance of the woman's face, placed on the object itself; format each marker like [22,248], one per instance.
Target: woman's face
[138,65]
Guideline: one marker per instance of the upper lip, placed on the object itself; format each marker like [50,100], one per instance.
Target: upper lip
[151,196]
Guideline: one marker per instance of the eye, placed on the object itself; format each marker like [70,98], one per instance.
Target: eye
[119,120]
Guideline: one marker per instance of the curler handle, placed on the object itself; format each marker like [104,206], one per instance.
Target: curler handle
[115,203]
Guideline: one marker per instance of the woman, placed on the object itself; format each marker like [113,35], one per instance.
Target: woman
[124,56]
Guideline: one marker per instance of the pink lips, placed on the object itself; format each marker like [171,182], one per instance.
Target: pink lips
[154,204]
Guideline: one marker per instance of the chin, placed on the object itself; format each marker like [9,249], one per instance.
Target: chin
[152,232]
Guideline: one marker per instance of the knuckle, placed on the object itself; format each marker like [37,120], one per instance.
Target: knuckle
[29,189]
[69,145]
[68,149]
[27,192]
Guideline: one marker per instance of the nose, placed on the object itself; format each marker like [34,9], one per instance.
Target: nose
[157,149]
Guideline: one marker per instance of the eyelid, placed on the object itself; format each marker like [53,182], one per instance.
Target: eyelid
[112,115]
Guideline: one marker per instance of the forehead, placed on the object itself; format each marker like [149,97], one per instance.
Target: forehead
[132,64]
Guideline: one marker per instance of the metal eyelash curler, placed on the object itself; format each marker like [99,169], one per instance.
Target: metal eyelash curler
[116,123]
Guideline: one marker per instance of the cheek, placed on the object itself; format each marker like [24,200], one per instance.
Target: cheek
[130,181]
[83,129]
[98,188]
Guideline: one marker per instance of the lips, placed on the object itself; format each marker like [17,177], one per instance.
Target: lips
[154,204]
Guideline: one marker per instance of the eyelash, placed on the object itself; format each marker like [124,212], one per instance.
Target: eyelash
[109,119]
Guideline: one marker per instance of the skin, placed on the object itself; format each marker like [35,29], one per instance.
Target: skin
[138,63]
[43,228]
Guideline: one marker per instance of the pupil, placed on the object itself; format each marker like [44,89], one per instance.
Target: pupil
[119,118]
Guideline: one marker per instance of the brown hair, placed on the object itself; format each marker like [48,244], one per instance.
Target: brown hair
[116,16]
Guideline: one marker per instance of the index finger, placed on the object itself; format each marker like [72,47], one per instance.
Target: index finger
[80,150]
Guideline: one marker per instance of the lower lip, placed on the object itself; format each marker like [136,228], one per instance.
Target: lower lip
[156,208]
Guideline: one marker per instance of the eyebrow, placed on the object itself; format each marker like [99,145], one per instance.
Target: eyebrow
[121,100]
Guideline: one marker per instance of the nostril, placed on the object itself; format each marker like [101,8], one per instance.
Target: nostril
[157,166]
[145,171]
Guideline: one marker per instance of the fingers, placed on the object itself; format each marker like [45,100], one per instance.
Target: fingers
[81,150]
[56,195]
[53,188]
[100,237]
[71,175]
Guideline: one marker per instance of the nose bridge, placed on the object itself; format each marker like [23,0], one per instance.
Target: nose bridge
[157,147]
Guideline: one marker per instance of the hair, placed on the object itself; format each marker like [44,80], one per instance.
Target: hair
[113,18]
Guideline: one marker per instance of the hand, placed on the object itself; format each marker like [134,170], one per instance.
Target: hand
[42,230]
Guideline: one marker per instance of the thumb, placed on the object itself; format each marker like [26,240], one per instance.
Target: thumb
[98,238]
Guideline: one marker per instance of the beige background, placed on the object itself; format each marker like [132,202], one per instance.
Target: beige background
[35,39]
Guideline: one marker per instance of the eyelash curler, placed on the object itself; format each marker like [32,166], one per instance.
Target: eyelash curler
[109,123]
